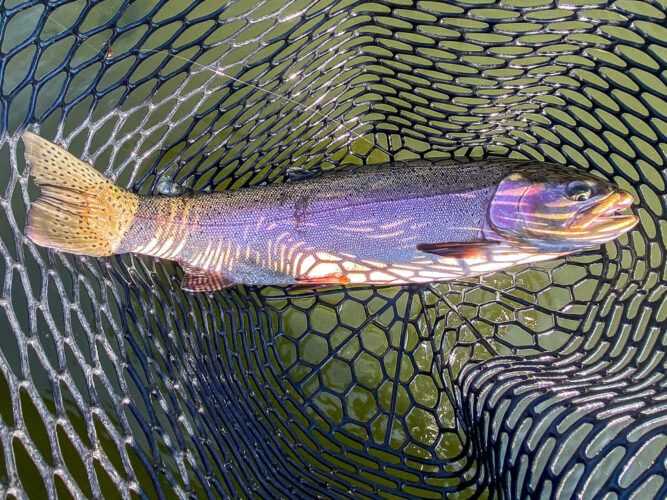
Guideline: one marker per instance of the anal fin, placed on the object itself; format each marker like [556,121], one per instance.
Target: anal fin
[200,280]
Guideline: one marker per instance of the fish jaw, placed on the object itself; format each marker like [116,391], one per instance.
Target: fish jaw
[604,217]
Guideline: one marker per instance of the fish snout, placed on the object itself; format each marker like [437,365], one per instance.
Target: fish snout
[606,215]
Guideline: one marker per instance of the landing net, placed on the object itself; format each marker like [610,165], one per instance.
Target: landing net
[541,381]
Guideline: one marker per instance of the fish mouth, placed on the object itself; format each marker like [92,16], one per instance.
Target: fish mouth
[605,216]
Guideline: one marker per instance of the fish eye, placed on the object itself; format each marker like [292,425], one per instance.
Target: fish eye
[578,191]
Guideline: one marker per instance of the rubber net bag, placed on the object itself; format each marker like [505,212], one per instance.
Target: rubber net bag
[544,381]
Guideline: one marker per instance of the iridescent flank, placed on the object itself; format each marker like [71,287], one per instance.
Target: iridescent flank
[330,231]
[397,223]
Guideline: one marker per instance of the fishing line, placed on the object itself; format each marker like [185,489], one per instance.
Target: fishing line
[454,308]
[439,360]
[107,54]
[219,72]
[107,51]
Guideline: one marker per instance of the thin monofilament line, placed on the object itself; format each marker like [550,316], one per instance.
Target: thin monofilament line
[453,307]
[219,72]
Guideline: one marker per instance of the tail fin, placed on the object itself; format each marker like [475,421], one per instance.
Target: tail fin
[79,211]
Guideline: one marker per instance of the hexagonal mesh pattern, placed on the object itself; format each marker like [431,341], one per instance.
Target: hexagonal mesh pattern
[540,381]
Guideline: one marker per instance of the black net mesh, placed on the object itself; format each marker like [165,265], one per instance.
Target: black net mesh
[546,381]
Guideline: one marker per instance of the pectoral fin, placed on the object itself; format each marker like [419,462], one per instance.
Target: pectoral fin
[458,250]
[199,280]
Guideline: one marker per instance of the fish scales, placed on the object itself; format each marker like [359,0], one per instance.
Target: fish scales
[340,214]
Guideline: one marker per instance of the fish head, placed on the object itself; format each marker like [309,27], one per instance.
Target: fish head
[550,208]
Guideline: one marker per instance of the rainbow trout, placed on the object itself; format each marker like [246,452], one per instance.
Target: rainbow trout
[392,224]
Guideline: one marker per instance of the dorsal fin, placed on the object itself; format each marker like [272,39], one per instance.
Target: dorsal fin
[297,174]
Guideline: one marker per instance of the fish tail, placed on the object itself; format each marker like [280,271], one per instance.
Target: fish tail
[79,211]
